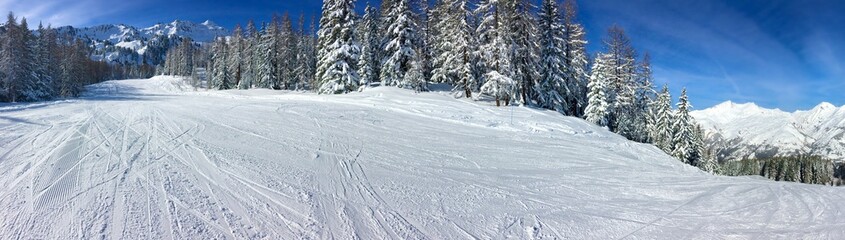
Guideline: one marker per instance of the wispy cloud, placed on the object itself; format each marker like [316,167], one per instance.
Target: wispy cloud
[65,12]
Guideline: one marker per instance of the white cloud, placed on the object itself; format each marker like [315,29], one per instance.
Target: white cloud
[63,12]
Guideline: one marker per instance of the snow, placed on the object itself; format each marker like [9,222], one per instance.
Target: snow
[816,131]
[152,159]
[135,45]
[202,32]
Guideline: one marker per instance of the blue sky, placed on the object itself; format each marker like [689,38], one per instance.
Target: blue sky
[783,54]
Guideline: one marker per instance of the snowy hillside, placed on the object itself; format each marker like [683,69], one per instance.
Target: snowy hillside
[748,131]
[128,44]
[152,159]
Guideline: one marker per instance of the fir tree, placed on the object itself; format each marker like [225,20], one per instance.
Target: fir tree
[287,54]
[399,50]
[73,69]
[495,46]
[369,62]
[597,105]
[684,137]
[266,54]
[525,51]
[46,58]
[187,57]
[500,86]
[424,38]
[552,88]
[34,86]
[622,86]
[250,60]
[639,111]
[338,66]
[306,61]
[221,79]
[660,130]
[235,59]
[415,77]
[576,59]
[698,156]
[453,36]
[14,62]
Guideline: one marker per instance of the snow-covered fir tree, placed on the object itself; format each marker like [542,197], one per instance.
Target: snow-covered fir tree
[266,57]
[47,63]
[710,165]
[399,50]
[453,51]
[73,69]
[552,89]
[369,62]
[439,20]
[424,37]
[250,59]
[620,94]
[15,60]
[703,160]
[287,54]
[221,79]
[597,104]
[495,44]
[526,50]
[500,86]
[186,62]
[337,68]
[180,59]
[577,59]
[683,139]
[415,77]
[660,129]
[644,95]
[32,85]
[388,16]
[235,58]
[306,64]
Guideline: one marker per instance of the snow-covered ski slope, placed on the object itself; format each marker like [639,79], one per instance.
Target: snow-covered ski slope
[153,159]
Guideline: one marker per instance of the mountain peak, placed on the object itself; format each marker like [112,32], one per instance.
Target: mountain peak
[738,106]
[824,106]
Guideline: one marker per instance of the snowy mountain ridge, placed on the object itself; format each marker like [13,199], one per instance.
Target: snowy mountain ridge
[199,32]
[121,43]
[749,131]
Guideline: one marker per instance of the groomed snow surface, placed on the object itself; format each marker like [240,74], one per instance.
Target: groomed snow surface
[154,159]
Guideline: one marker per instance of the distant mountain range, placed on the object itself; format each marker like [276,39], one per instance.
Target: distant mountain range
[120,43]
[749,131]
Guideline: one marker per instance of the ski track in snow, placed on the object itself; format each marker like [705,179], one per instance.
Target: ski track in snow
[148,159]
